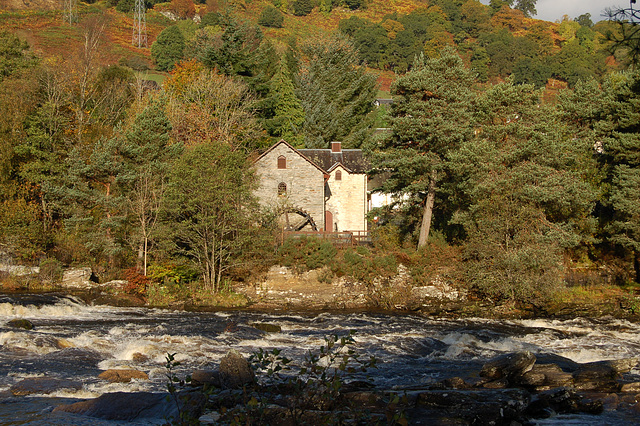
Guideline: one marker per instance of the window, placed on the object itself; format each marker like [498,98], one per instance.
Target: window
[282,162]
[282,189]
[338,175]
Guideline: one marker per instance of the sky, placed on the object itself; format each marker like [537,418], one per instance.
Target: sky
[552,10]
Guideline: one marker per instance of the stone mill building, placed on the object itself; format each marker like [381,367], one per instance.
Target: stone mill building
[314,189]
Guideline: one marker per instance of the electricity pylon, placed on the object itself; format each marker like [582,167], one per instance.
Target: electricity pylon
[70,13]
[139,38]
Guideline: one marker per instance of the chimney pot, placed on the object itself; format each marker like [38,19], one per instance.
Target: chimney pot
[336,147]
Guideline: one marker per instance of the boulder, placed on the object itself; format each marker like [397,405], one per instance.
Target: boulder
[235,371]
[205,377]
[138,357]
[545,377]
[43,385]
[630,387]
[77,278]
[602,375]
[508,366]
[123,376]
[21,323]
[468,406]
[561,401]
[125,406]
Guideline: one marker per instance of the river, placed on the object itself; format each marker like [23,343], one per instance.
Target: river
[74,340]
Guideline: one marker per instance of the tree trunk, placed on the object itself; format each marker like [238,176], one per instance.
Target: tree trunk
[428,211]
[146,248]
[636,265]
[140,259]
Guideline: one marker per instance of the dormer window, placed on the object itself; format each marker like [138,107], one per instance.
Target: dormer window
[338,175]
[282,189]
[282,162]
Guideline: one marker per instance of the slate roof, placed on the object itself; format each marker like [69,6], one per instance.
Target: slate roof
[351,159]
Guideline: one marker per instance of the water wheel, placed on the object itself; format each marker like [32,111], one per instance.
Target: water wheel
[295,219]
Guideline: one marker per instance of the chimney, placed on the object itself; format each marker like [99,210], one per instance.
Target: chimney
[336,147]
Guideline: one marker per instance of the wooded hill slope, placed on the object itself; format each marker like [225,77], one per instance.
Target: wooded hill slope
[494,41]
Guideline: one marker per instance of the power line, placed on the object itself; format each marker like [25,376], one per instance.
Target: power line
[139,37]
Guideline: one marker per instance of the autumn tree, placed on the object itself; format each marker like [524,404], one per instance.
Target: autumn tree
[207,106]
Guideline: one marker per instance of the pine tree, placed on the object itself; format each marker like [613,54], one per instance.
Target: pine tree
[524,196]
[620,163]
[431,116]
[150,152]
[289,115]
[168,48]
[337,94]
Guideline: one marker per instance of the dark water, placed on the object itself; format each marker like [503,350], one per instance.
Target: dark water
[71,340]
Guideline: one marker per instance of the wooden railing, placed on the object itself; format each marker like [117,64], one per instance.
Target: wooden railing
[338,239]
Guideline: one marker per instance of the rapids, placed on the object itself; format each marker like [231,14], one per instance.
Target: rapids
[73,340]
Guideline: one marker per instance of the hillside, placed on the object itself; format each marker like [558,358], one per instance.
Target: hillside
[495,43]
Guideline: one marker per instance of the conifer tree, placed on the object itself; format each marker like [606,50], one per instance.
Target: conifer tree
[336,92]
[525,197]
[619,130]
[150,152]
[289,115]
[431,116]
[168,48]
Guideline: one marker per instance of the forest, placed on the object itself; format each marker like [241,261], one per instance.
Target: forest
[511,146]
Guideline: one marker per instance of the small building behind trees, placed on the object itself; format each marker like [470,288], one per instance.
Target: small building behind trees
[314,189]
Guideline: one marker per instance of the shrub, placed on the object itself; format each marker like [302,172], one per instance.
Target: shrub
[303,254]
[302,7]
[168,48]
[50,271]
[125,6]
[271,17]
[137,283]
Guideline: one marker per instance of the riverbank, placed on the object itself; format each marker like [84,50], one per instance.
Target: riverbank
[282,289]
[101,358]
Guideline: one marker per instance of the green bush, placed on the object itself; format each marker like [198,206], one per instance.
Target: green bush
[168,48]
[364,266]
[125,6]
[306,253]
[271,17]
[302,7]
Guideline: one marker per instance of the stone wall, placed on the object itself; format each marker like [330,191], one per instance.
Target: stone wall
[348,200]
[305,182]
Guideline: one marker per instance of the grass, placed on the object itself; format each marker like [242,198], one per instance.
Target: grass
[589,294]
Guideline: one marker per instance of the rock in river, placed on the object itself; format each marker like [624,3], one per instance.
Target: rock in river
[131,406]
[123,376]
[43,385]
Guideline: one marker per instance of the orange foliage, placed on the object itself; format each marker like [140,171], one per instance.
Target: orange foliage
[137,283]
[183,75]
[184,9]
[392,27]
[506,17]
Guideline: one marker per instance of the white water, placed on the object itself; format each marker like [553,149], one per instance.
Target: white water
[72,340]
